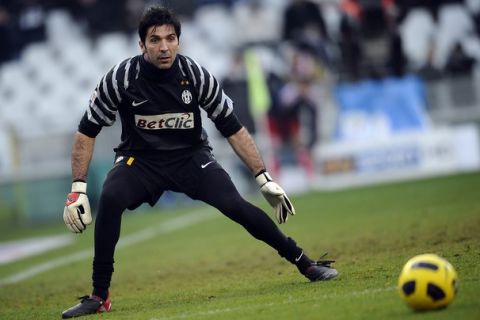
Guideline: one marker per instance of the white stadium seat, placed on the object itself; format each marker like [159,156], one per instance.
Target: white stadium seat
[454,24]
[417,32]
[110,49]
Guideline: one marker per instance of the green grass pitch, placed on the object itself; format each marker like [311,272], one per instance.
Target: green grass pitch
[212,269]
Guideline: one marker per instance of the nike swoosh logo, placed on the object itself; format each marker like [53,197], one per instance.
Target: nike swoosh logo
[136,104]
[206,164]
[299,257]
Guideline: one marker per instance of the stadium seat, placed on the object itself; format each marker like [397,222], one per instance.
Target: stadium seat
[219,34]
[417,32]
[110,49]
[61,29]
[454,25]
[35,54]
[13,81]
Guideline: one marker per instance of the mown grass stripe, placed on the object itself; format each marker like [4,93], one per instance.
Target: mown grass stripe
[174,224]
[221,311]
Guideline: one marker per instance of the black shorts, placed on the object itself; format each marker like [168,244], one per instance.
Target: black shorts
[184,175]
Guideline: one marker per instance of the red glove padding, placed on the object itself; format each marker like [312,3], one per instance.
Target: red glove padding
[77,214]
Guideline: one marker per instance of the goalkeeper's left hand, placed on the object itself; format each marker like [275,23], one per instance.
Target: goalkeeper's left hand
[275,196]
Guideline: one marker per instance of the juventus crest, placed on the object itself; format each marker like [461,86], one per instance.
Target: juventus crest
[186,96]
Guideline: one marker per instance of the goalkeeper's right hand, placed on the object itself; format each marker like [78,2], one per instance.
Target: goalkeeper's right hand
[77,214]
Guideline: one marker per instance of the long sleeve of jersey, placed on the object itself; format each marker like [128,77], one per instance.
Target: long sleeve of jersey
[212,99]
[106,98]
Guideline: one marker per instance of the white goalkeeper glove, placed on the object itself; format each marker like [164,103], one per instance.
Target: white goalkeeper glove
[275,196]
[77,214]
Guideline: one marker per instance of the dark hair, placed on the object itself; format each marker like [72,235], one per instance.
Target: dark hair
[157,16]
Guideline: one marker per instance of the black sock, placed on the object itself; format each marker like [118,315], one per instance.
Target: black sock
[303,263]
[295,255]
[100,292]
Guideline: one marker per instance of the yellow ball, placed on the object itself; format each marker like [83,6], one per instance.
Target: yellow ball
[427,282]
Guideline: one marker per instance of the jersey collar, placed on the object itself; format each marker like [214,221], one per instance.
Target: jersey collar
[153,73]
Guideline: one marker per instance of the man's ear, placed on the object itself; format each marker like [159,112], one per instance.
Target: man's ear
[142,46]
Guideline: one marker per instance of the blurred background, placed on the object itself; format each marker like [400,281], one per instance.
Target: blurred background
[338,93]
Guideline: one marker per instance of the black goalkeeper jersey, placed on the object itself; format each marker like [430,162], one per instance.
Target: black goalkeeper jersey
[159,109]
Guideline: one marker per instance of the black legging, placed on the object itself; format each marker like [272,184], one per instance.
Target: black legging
[123,190]
[219,192]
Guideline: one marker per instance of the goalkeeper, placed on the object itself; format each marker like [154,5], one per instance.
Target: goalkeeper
[158,96]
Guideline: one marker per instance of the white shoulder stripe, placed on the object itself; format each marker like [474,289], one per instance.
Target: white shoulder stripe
[137,70]
[211,81]
[90,117]
[102,116]
[219,107]
[105,90]
[213,99]
[127,69]
[189,65]
[202,80]
[181,68]
[230,107]
[115,83]
[105,105]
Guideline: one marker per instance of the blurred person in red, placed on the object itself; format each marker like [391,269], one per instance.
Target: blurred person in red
[292,120]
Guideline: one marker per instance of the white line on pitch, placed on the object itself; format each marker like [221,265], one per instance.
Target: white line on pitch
[174,224]
[211,312]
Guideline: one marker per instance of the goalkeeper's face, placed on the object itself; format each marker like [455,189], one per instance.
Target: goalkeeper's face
[161,46]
